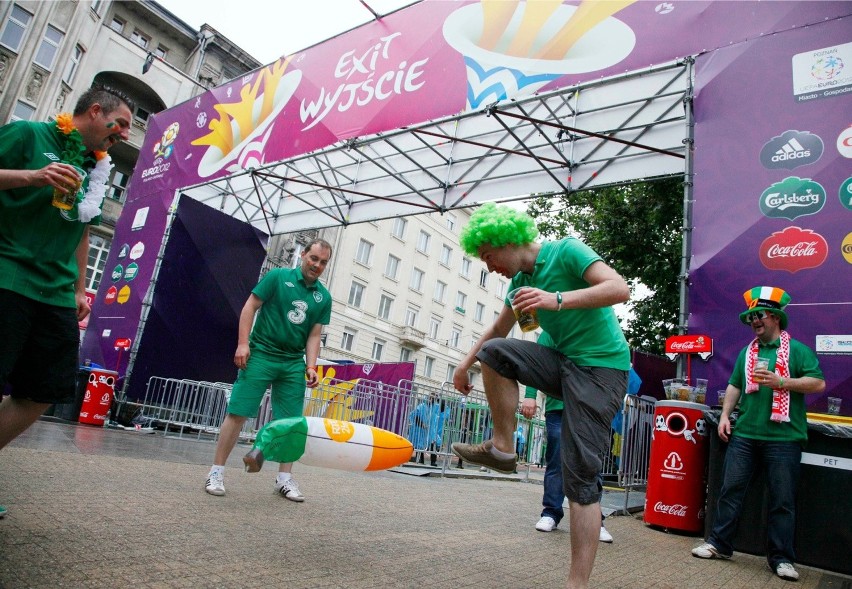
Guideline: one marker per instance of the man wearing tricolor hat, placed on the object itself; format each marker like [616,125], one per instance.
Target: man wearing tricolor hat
[770,430]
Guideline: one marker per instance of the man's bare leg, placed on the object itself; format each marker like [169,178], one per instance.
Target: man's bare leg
[502,394]
[16,415]
[229,433]
[585,521]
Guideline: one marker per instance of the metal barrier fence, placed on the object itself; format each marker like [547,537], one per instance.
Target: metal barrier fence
[432,418]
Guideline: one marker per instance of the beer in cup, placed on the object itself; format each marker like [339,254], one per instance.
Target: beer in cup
[65,200]
[528,320]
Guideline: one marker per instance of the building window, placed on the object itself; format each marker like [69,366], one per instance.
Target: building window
[405,355]
[378,348]
[356,293]
[161,52]
[392,267]
[49,47]
[450,369]
[118,186]
[16,26]
[451,221]
[411,316]
[440,291]
[417,279]
[446,255]
[483,278]
[479,312]
[140,38]
[461,301]
[434,326]
[385,304]
[455,336]
[96,6]
[73,63]
[428,366]
[465,267]
[501,289]
[347,342]
[117,25]
[22,112]
[399,226]
[98,251]
[365,252]
[471,378]
[140,116]
[423,242]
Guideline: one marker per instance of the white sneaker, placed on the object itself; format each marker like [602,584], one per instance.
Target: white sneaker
[215,484]
[786,571]
[605,536]
[289,490]
[546,524]
[707,550]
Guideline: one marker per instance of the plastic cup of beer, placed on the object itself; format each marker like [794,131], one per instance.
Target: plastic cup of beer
[721,398]
[834,405]
[699,394]
[528,320]
[667,387]
[65,200]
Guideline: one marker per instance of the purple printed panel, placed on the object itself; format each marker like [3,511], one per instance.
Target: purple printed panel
[773,205]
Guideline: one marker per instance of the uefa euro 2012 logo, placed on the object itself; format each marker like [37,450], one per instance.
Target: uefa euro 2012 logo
[164,147]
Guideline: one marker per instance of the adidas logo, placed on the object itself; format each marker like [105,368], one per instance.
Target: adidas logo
[791,150]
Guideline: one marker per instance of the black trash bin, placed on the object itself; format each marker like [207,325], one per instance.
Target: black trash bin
[71,411]
[823,510]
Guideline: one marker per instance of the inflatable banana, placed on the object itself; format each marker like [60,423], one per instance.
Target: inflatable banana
[316,441]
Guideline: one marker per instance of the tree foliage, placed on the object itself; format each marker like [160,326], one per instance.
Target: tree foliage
[636,229]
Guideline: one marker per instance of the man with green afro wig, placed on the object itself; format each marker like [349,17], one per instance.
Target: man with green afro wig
[571,290]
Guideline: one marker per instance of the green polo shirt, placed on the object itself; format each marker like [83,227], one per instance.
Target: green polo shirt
[290,310]
[550,403]
[588,337]
[756,408]
[37,245]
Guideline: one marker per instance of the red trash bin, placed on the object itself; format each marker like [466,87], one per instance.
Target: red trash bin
[98,397]
[677,474]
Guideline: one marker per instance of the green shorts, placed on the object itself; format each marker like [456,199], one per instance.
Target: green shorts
[287,378]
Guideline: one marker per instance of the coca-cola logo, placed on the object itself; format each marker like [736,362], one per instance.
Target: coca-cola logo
[683,346]
[793,249]
[791,198]
[675,509]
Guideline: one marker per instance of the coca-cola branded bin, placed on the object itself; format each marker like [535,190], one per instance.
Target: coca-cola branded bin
[677,473]
[97,399]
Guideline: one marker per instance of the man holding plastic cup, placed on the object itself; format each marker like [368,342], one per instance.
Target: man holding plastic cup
[44,248]
[572,291]
[776,372]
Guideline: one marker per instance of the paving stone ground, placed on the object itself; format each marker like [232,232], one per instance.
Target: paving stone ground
[95,508]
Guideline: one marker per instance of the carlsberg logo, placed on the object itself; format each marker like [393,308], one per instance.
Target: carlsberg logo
[791,198]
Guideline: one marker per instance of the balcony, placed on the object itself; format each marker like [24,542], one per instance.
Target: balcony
[410,337]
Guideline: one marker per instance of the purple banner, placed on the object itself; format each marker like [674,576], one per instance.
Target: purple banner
[773,204]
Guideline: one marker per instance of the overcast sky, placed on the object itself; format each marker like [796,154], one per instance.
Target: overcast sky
[268,29]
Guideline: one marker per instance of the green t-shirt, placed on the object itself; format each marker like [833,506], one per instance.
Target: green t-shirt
[37,245]
[756,408]
[588,337]
[550,403]
[290,310]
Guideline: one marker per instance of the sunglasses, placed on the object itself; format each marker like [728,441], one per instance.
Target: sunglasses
[759,315]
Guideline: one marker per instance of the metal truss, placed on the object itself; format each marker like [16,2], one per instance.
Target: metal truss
[611,131]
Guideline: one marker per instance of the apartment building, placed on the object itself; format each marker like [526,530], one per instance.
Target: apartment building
[404,290]
[51,52]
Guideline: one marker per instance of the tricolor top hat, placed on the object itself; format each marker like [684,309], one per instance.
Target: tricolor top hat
[766,298]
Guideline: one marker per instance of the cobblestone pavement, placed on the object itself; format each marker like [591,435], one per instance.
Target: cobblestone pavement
[95,508]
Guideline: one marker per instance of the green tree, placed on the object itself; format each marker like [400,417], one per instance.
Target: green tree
[636,229]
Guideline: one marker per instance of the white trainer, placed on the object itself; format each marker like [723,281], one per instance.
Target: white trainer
[546,524]
[786,571]
[215,484]
[289,490]
[605,536]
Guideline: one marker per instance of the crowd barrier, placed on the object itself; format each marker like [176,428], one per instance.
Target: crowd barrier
[431,417]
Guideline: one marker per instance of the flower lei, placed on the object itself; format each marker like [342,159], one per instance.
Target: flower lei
[72,153]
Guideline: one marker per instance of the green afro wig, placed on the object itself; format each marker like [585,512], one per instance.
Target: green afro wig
[497,226]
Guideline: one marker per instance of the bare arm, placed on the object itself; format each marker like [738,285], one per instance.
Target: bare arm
[312,350]
[500,328]
[82,255]
[241,356]
[732,397]
[54,174]
[606,288]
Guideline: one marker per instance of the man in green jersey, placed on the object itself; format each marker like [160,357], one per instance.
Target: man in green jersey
[281,350]
[571,289]
[44,250]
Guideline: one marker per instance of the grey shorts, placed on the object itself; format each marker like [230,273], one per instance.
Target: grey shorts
[592,396]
